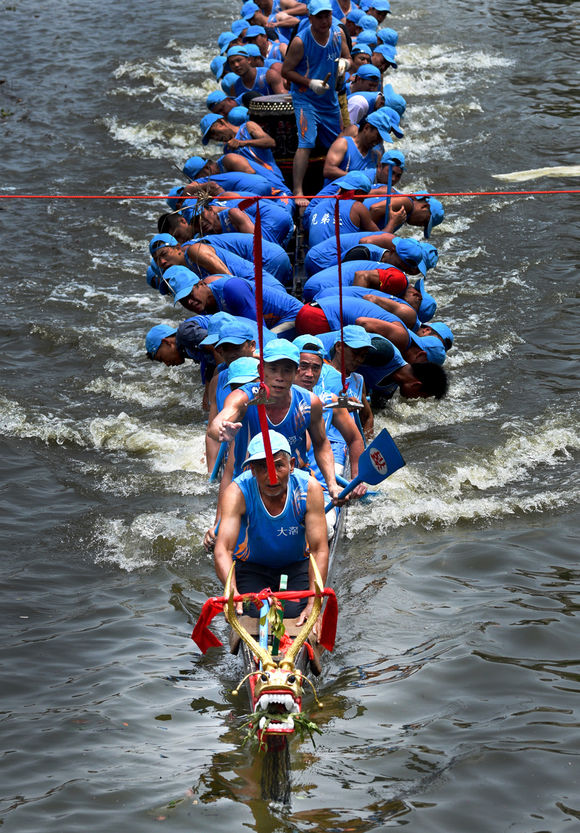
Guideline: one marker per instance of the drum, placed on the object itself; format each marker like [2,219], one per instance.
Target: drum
[275,115]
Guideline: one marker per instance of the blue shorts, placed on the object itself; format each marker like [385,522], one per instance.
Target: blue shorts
[313,122]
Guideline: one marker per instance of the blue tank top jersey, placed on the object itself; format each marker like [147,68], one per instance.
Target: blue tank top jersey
[352,309]
[222,389]
[237,296]
[274,53]
[273,540]
[331,383]
[277,223]
[241,182]
[260,84]
[361,292]
[263,157]
[275,259]
[237,266]
[353,160]
[317,62]
[335,438]
[329,277]
[294,425]
[322,221]
[324,254]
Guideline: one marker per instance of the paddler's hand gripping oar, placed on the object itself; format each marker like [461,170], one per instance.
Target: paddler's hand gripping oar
[377,462]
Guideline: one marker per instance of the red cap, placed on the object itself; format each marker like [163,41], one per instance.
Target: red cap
[311,320]
[392,281]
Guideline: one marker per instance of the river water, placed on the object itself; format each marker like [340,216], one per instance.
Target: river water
[451,702]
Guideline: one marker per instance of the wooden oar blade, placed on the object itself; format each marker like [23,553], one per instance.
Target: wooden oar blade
[380,459]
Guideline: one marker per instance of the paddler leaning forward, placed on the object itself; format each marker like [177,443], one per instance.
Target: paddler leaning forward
[270,530]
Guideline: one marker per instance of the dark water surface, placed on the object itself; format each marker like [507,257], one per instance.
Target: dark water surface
[451,701]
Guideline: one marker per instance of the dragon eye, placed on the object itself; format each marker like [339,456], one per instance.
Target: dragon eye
[291,678]
[264,678]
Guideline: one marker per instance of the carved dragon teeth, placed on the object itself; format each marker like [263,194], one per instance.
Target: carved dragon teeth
[284,725]
[286,700]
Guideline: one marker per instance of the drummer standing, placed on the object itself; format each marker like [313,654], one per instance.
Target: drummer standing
[311,65]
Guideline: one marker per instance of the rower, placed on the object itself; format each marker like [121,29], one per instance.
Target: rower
[290,409]
[347,154]
[262,80]
[233,295]
[270,530]
[326,314]
[366,273]
[311,65]
[204,258]
[351,351]
[342,432]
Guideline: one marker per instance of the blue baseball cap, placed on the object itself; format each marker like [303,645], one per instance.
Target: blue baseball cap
[156,335]
[172,200]
[193,166]
[216,322]
[388,36]
[215,97]
[236,333]
[395,121]
[217,66]
[379,5]
[382,121]
[238,50]
[181,280]
[437,213]
[368,71]
[354,181]
[159,241]
[228,81]
[428,306]
[310,344]
[238,26]
[206,125]
[430,254]
[253,50]
[395,156]
[367,36]
[445,333]
[243,370]
[317,6]
[254,31]
[249,9]
[227,41]
[432,346]
[367,21]
[361,47]
[155,279]
[256,450]
[238,115]
[388,53]
[355,15]
[354,336]
[411,251]
[394,100]
[223,38]
[281,348]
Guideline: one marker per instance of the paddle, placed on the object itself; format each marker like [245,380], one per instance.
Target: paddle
[342,481]
[377,462]
[218,461]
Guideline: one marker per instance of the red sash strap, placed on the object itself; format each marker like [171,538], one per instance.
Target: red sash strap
[204,638]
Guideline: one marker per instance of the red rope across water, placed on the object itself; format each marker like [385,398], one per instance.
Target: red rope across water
[277,197]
